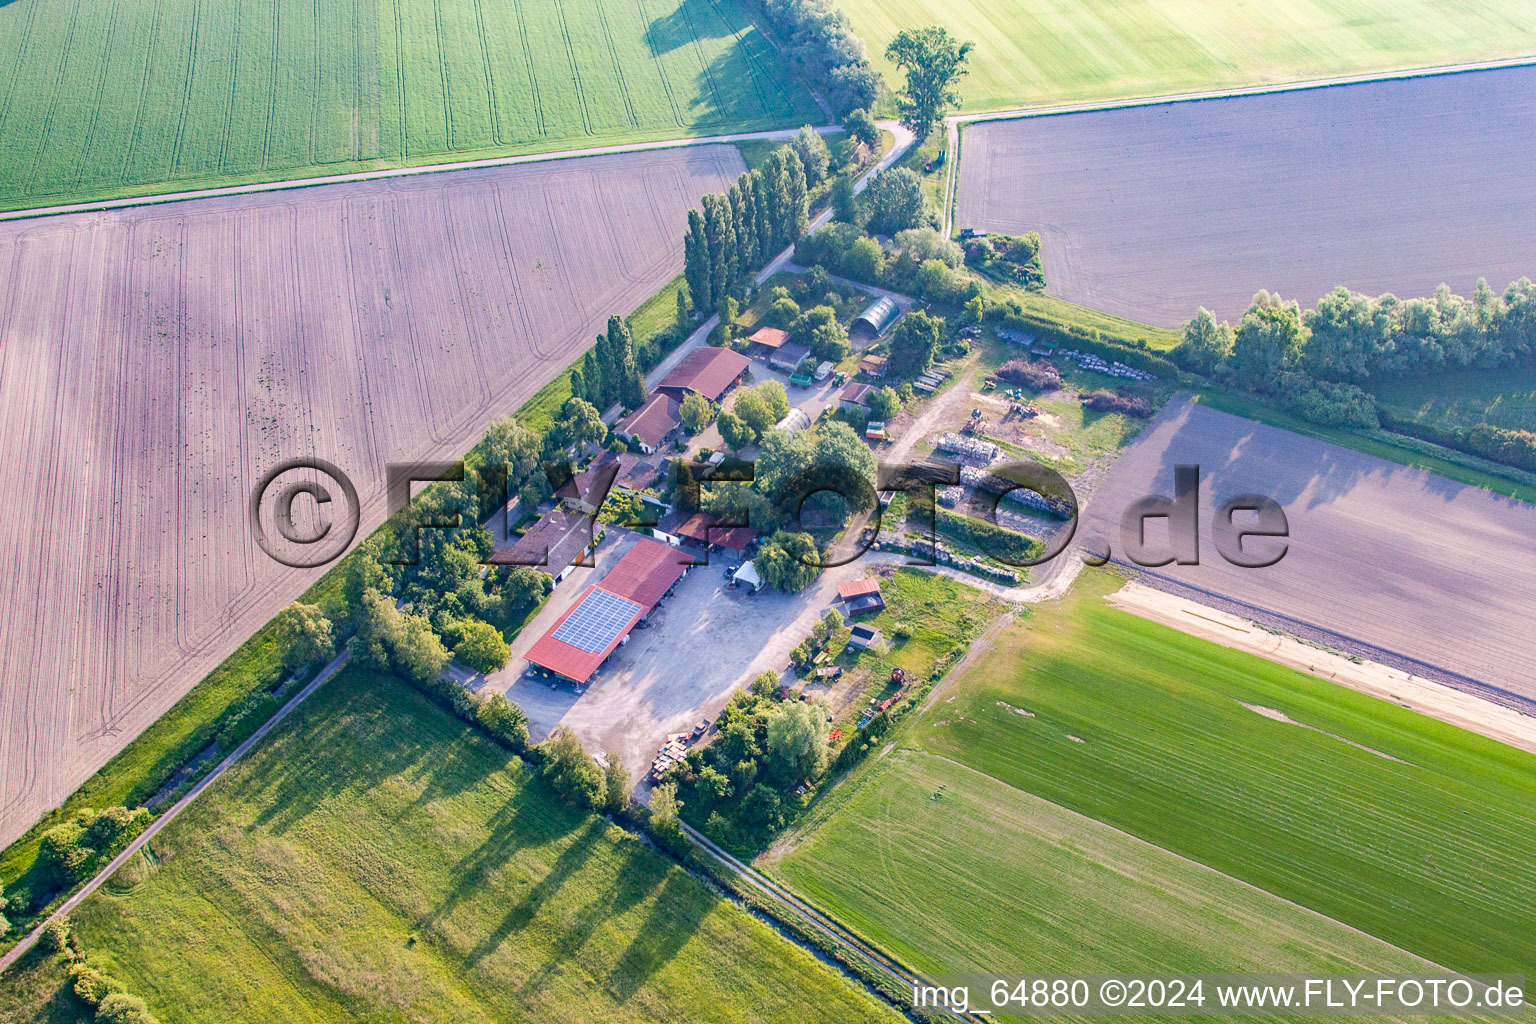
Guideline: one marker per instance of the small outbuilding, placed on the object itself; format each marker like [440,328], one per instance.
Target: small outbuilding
[796,421]
[747,576]
[788,357]
[855,396]
[861,596]
[765,341]
[873,366]
[865,635]
[876,319]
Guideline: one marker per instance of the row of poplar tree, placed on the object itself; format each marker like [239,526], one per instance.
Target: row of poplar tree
[737,232]
[609,375]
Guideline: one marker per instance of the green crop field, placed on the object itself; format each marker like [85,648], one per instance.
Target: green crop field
[377,859]
[1042,51]
[1407,829]
[124,97]
[915,852]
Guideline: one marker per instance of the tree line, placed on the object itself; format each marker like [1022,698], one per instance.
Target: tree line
[820,40]
[736,233]
[609,373]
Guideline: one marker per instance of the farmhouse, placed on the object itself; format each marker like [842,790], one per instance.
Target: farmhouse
[583,638]
[854,396]
[876,319]
[861,596]
[652,425]
[873,366]
[765,341]
[788,357]
[555,544]
[703,529]
[706,371]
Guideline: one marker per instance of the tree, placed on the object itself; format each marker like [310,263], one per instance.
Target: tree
[304,635]
[5,926]
[884,404]
[797,741]
[615,783]
[416,651]
[729,310]
[788,561]
[895,201]
[628,386]
[796,199]
[814,156]
[818,329]
[861,128]
[759,408]
[775,397]
[1347,334]
[712,784]
[365,570]
[696,411]
[578,425]
[734,431]
[1266,342]
[766,684]
[665,807]
[684,314]
[932,60]
[865,260]
[696,263]
[975,310]
[922,244]
[1205,344]
[914,342]
[503,719]
[570,770]
[481,646]
[840,457]
[782,313]
[845,202]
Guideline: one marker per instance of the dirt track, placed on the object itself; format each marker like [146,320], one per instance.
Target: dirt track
[154,362]
[1394,564]
[1152,211]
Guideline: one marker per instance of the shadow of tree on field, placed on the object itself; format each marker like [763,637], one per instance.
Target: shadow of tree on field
[568,863]
[636,878]
[677,914]
[679,27]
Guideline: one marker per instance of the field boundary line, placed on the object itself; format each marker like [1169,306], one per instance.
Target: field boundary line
[96,206]
[20,949]
[187,86]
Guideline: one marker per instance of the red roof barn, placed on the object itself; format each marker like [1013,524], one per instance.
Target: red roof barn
[705,371]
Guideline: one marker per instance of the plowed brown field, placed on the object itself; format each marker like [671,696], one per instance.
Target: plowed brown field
[1388,562]
[1150,212]
[155,362]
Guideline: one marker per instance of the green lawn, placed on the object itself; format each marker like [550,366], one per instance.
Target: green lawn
[121,97]
[1505,397]
[1044,51]
[1407,829]
[378,859]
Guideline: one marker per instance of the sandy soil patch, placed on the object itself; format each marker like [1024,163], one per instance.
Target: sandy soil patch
[1150,212]
[1404,689]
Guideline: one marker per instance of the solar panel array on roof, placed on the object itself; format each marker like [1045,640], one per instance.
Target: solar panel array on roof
[597,621]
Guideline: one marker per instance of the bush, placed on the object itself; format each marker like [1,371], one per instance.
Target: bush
[54,937]
[91,986]
[1104,400]
[823,43]
[504,720]
[245,718]
[996,542]
[1511,447]
[1014,257]
[122,1008]
[1028,373]
[1327,403]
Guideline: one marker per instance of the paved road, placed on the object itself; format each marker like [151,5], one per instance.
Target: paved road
[20,949]
[398,172]
[953,122]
